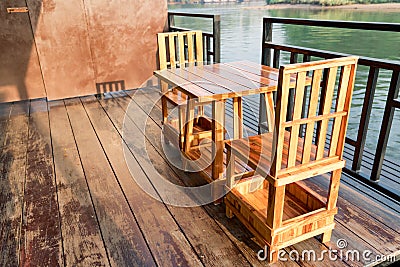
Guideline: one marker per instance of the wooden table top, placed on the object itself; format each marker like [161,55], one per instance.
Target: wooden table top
[223,80]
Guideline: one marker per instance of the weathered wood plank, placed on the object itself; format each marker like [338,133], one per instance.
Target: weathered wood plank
[122,236]
[214,248]
[380,224]
[240,237]
[82,240]
[166,241]
[377,206]
[19,114]
[41,234]
[12,178]
[5,110]
[380,236]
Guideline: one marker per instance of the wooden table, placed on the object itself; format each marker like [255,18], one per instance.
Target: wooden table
[216,83]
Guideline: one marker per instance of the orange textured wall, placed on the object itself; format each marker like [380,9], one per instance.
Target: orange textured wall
[81,44]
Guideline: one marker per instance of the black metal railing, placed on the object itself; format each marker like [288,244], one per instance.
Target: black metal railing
[211,40]
[271,56]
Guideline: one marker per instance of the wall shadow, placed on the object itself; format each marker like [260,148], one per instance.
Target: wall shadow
[112,86]
[17,46]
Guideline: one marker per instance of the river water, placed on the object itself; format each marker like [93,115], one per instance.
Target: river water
[241,29]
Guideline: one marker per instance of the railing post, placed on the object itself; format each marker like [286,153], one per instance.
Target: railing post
[276,60]
[306,58]
[265,60]
[171,21]
[217,38]
[290,105]
[266,37]
[365,116]
[207,51]
[386,126]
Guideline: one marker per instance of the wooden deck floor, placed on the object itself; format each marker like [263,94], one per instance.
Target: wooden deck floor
[68,198]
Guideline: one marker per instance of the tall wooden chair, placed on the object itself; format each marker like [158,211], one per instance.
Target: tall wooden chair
[175,50]
[274,204]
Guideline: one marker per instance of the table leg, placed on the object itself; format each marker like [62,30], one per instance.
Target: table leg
[218,114]
[270,111]
[267,113]
[237,118]
[181,121]
[189,124]
[164,105]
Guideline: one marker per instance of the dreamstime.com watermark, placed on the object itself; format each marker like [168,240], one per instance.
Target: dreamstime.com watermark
[365,256]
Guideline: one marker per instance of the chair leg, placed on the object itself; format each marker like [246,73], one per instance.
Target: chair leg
[270,111]
[266,113]
[217,191]
[181,125]
[164,102]
[230,172]
[272,254]
[188,124]
[332,199]
[333,189]
[229,213]
[200,111]
[326,237]
[275,206]
[185,162]
[237,118]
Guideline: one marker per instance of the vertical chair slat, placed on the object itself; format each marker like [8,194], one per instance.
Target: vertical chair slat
[330,86]
[281,110]
[199,47]
[207,48]
[181,49]
[190,46]
[162,54]
[312,110]
[172,54]
[174,51]
[347,104]
[298,106]
[341,98]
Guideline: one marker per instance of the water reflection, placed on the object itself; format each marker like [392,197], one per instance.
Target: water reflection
[241,30]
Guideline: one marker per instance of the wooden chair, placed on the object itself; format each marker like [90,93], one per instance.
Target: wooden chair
[176,49]
[274,204]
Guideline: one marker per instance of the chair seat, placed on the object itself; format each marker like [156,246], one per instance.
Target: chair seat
[256,152]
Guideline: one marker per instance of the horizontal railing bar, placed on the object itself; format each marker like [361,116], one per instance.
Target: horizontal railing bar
[351,141]
[215,35]
[358,25]
[395,103]
[196,15]
[374,64]
[174,28]
[372,184]
[378,63]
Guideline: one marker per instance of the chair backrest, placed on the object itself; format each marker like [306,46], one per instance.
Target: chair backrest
[177,48]
[319,110]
